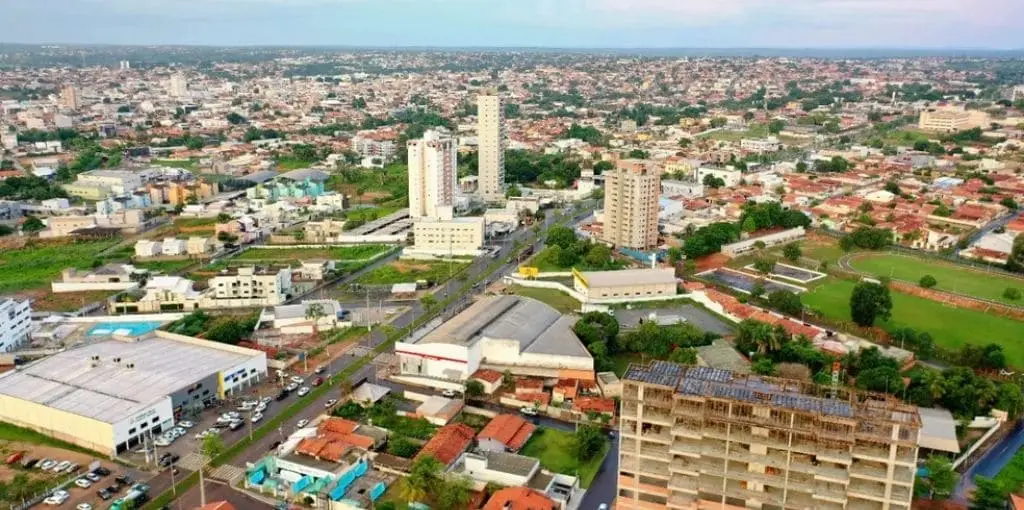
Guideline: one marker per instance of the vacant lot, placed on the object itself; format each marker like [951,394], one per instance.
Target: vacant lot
[335,253]
[950,327]
[46,301]
[166,266]
[410,271]
[39,263]
[951,277]
[554,448]
[556,299]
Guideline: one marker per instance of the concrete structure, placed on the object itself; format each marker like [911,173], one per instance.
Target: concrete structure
[433,175]
[944,120]
[696,437]
[172,247]
[519,334]
[107,277]
[631,207]
[491,140]
[524,473]
[178,86]
[63,226]
[146,248]
[455,237]
[69,97]
[15,323]
[769,144]
[731,176]
[309,316]
[625,283]
[786,236]
[109,395]
[117,181]
[266,286]
[682,188]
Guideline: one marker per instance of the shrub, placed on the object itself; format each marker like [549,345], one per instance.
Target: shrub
[1011,293]
[928,281]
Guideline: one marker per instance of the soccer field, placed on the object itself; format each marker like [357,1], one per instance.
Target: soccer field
[951,277]
[950,327]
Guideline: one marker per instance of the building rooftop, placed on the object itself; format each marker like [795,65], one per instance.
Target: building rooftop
[630,277]
[306,173]
[87,380]
[508,429]
[938,430]
[537,327]
[449,442]
[519,498]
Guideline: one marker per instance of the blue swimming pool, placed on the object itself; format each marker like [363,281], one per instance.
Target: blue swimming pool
[123,328]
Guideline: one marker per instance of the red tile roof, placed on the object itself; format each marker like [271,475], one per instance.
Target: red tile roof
[594,405]
[488,375]
[509,430]
[449,442]
[519,498]
[217,505]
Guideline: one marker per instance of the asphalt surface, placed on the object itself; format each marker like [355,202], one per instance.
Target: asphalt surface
[991,463]
[314,408]
[604,486]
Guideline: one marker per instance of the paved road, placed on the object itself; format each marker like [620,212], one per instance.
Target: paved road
[991,463]
[314,408]
[603,487]
[999,222]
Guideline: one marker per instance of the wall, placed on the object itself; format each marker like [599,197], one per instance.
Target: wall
[160,410]
[87,286]
[75,429]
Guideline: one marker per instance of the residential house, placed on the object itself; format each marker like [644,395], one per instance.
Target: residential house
[171,247]
[505,433]
[146,248]
[106,277]
[449,443]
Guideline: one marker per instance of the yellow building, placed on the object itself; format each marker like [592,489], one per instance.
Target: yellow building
[631,205]
[627,283]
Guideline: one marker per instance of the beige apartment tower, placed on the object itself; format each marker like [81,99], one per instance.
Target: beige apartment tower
[69,97]
[433,175]
[631,205]
[491,140]
[695,438]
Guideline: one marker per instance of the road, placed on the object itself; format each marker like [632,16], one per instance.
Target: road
[997,223]
[315,407]
[603,487]
[991,463]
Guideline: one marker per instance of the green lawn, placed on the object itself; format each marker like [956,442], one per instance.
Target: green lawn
[754,131]
[556,299]
[951,277]
[554,450]
[288,163]
[9,432]
[950,327]
[410,271]
[334,253]
[165,266]
[623,359]
[187,164]
[194,222]
[36,266]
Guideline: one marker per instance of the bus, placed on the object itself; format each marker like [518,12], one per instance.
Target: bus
[137,496]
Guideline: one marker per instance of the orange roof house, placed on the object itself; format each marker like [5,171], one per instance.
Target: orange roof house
[595,405]
[449,442]
[217,505]
[335,438]
[519,498]
[506,432]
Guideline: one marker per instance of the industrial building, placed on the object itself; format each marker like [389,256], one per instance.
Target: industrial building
[512,333]
[628,283]
[699,437]
[110,395]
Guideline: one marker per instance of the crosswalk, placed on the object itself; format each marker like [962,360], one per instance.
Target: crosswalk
[191,461]
[228,473]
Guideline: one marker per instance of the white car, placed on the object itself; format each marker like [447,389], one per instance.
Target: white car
[266,400]
[262,407]
[186,424]
[303,391]
[83,506]
[257,417]
[83,483]
[330,403]
[162,441]
[202,435]
[62,466]
[179,431]
[302,423]
[449,393]
[529,411]
[291,387]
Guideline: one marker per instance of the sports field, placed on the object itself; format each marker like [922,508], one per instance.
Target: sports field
[951,277]
[950,327]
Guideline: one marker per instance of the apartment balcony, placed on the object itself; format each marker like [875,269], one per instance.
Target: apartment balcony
[800,501]
[682,483]
[872,453]
[657,400]
[837,456]
[800,483]
[715,468]
[660,437]
[903,475]
[716,433]
[653,468]
[713,449]
[682,466]
[629,410]
[653,452]
[682,502]
[686,448]
[877,474]
[867,490]
[900,493]
[823,491]
[857,504]
[656,415]
[831,474]
[686,431]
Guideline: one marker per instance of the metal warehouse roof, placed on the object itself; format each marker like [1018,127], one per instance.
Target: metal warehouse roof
[630,277]
[110,391]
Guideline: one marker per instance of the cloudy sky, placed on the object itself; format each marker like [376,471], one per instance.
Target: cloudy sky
[540,23]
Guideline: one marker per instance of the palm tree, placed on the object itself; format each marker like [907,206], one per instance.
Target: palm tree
[423,480]
[314,311]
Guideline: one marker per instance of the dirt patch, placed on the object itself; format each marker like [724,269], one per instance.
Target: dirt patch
[713,261]
[67,301]
[409,267]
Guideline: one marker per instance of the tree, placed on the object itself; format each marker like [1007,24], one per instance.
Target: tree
[988,495]
[561,236]
[1016,260]
[212,446]
[801,167]
[598,256]
[236,119]
[776,126]
[927,281]
[941,479]
[401,446]
[749,225]
[474,388]
[786,302]
[1011,293]
[758,289]
[454,494]
[792,252]
[711,181]
[868,302]
[882,379]
[674,255]
[314,312]
[684,356]
[638,154]
[429,301]
[424,478]
[1010,399]
[587,442]
[717,122]
[764,266]
[508,381]
[602,166]
[32,225]
[763,366]
[5,230]
[1009,203]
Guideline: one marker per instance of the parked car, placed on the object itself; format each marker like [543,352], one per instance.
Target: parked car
[168,459]
[92,477]
[291,387]
[235,425]
[297,380]
[529,411]
[83,506]
[102,471]
[104,493]
[262,407]
[319,370]
[281,396]
[14,457]
[303,391]
[186,424]
[318,381]
[449,393]
[83,483]
[46,464]
[123,479]
[29,463]
[266,400]
[71,469]
[162,441]
[256,417]
[302,423]
[330,403]
[274,445]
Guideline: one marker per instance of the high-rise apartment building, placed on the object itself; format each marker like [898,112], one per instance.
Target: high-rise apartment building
[15,323]
[433,175]
[491,140]
[69,97]
[697,437]
[178,86]
[631,205]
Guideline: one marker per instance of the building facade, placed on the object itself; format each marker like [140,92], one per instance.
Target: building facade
[628,283]
[698,437]
[269,287]
[491,140]
[455,237]
[631,207]
[944,120]
[15,323]
[69,97]
[433,175]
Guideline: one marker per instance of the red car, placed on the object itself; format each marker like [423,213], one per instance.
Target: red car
[318,381]
[15,457]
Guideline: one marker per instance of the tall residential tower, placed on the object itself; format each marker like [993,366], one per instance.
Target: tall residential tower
[433,175]
[491,139]
[631,205]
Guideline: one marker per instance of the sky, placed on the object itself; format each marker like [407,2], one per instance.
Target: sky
[963,24]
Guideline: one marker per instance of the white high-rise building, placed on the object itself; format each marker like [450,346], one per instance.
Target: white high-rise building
[433,175]
[631,205]
[491,139]
[178,86]
[15,323]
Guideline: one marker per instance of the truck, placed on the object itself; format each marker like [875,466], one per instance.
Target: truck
[137,496]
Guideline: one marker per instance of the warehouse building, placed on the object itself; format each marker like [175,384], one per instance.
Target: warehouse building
[514,333]
[628,283]
[110,395]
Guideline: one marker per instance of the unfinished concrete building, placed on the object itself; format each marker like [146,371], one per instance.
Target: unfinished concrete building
[704,438]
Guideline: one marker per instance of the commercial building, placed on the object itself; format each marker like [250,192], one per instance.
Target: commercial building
[631,207]
[15,323]
[178,85]
[512,333]
[698,437]
[433,175]
[117,181]
[111,277]
[944,120]
[491,141]
[69,97]
[454,237]
[110,395]
[628,283]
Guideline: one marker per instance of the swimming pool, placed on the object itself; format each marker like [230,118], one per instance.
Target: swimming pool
[123,328]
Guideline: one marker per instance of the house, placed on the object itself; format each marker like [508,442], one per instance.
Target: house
[449,443]
[511,470]
[199,245]
[439,410]
[519,498]
[595,405]
[315,269]
[171,247]
[565,389]
[505,433]
[491,379]
[299,319]
[146,248]
[107,277]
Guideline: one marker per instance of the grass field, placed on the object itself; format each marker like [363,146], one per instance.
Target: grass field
[951,277]
[951,328]
[165,266]
[10,432]
[68,301]
[36,266]
[554,448]
[187,164]
[194,222]
[410,271]
[558,300]
[334,253]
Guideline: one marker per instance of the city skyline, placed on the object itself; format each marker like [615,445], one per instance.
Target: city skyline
[944,24]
